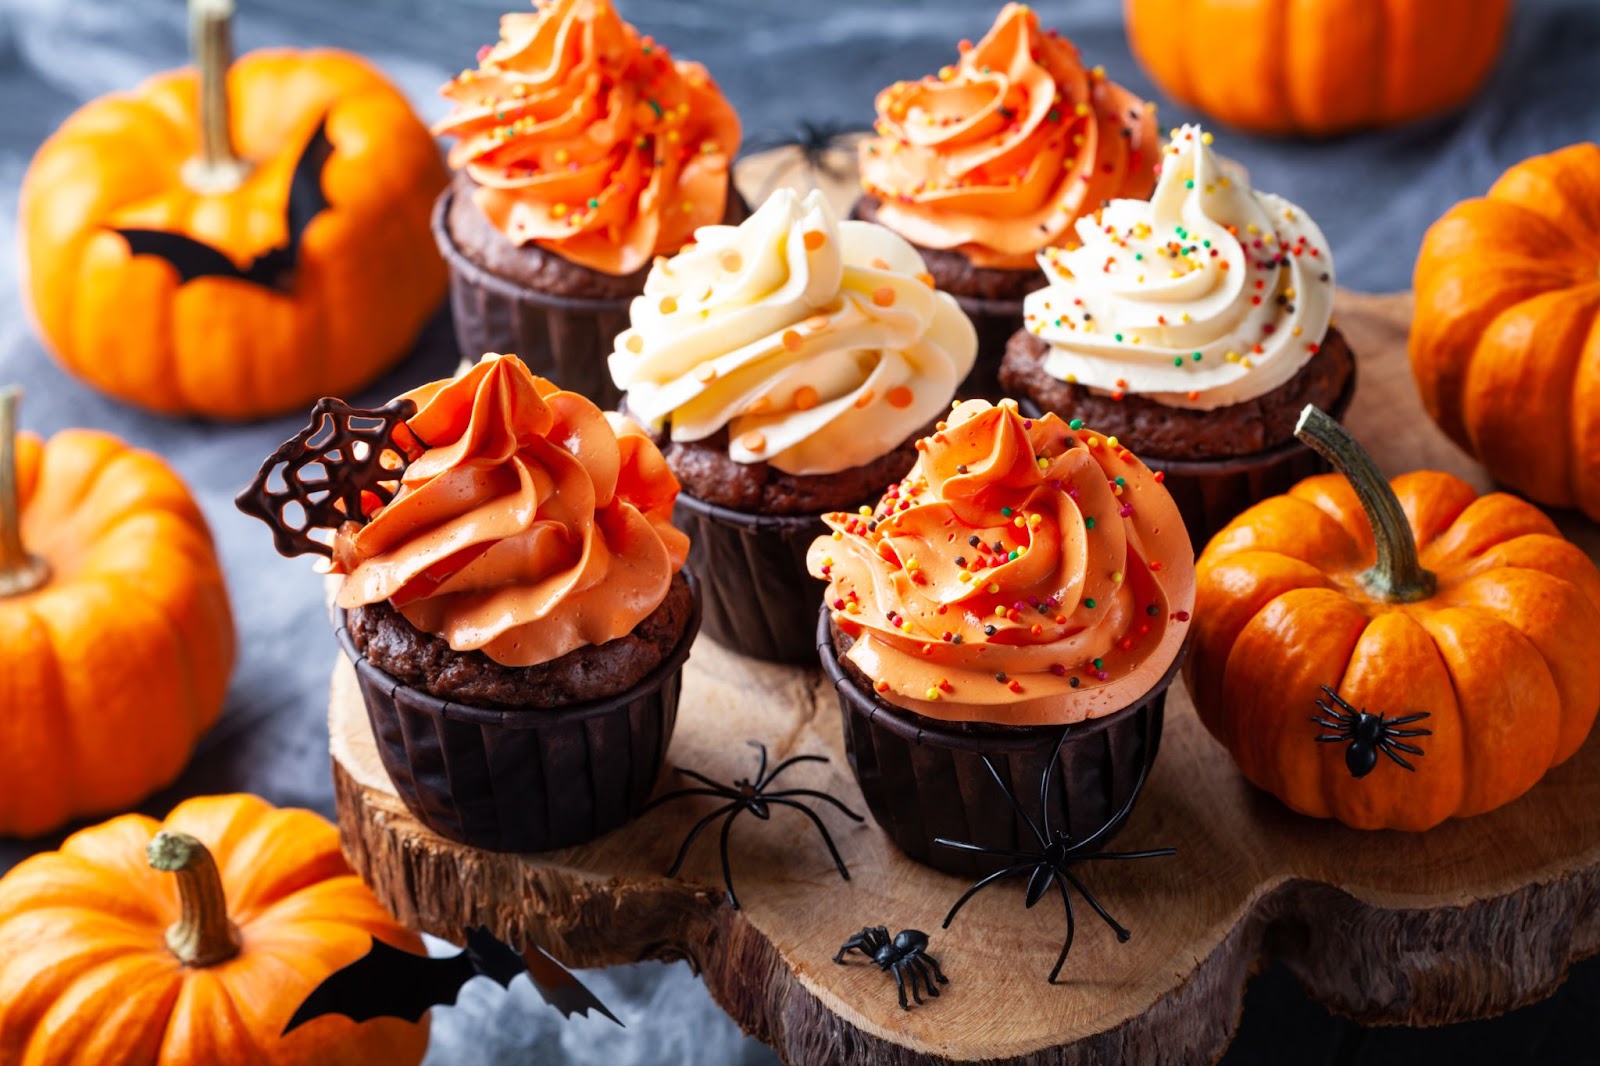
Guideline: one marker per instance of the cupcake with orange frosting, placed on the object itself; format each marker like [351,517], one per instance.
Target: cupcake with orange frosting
[995,158]
[1024,578]
[518,610]
[787,365]
[583,152]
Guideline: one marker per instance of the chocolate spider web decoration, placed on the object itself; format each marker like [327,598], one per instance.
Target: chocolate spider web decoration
[330,469]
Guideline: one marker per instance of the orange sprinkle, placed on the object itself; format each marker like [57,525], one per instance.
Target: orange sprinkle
[705,373]
[731,262]
[816,322]
[881,264]
[815,239]
[926,279]
[883,296]
[805,398]
[899,396]
[754,442]
[791,340]
[634,344]
[759,405]
[668,305]
[865,398]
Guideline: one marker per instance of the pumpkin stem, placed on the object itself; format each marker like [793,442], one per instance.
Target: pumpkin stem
[1397,576]
[19,571]
[217,169]
[202,935]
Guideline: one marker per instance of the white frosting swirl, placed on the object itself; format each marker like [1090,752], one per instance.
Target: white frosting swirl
[1205,295]
[821,345]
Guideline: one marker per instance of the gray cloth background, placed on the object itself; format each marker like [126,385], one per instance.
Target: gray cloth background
[779,61]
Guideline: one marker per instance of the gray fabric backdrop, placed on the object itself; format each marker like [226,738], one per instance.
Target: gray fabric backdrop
[779,62]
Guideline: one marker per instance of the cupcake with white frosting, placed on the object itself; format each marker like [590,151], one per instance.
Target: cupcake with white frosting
[787,366]
[1193,326]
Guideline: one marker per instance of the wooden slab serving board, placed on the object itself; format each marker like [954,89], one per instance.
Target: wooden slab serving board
[1468,920]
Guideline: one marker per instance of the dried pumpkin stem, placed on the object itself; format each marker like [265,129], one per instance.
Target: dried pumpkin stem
[202,935]
[1397,576]
[19,571]
[218,168]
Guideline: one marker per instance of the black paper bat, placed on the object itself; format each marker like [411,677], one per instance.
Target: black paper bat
[274,268]
[387,982]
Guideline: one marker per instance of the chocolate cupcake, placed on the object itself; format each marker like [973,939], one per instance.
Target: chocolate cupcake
[993,159]
[1023,579]
[1194,327]
[583,151]
[787,365]
[514,602]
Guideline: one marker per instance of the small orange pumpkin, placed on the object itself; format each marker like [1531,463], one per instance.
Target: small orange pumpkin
[1317,68]
[337,294]
[191,942]
[115,635]
[1505,343]
[1457,635]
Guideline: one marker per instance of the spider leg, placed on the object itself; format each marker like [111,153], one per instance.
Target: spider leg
[688,841]
[943,980]
[1340,700]
[1007,853]
[903,967]
[1122,814]
[1400,745]
[1088,897]
[1153,853]
[727,874]
[1383,746]
[900,983]
[1330,723]
[767,779]
[682,793]
[1337,719]
[1407,719]
[1333,738]
[1072,931]
[703,779]
[817,821]
[1043,876]
[927,978]
[1048,777]
[814,794]
[853,944]
[1011,797]
[985,882]
[761,771]
[1408,732]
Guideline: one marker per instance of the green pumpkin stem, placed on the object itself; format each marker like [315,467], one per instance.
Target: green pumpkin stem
[1397,576]
[218,168]
[20,572]
[203,935]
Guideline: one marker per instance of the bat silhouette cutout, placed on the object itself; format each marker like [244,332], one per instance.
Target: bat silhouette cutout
[387,982]
[273,269]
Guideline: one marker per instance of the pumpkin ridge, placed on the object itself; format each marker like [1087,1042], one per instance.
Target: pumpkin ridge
[63,1016]
[48,663]
[190,703]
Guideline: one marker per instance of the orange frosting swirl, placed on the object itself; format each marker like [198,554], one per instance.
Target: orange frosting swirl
[532,525]
[589,140]
[999,154]
[1023,573]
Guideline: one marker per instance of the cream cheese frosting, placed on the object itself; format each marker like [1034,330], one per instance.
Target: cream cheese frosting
[1206,295]
[819,344]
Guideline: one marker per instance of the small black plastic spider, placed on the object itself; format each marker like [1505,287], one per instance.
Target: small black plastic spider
[906,954]
[1051,864]
[1367,734]
[812,143]
[752,796]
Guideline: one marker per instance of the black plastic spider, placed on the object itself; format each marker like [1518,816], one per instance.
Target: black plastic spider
[1051,863]
[752,796]
[813,144]
[1367,734]
[906,954]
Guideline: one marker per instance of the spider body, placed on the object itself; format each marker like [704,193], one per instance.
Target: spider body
[905,956]
[1367,734]
[747,795]
[1050,864]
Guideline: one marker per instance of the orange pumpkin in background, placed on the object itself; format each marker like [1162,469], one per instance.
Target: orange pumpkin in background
[243,300]
[1317,67]
[1457,635]
[115,634]
[191,942]
[1505,342]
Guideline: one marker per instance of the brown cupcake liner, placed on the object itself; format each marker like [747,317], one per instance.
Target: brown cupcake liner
[758,594]
[1210,493]
[524,780]
[924,779]
[563,338]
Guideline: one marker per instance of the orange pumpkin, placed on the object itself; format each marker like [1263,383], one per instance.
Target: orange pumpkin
[1505,343]
[115,635]
[1317,67]
[191,942]
[1469,619]
[325,313]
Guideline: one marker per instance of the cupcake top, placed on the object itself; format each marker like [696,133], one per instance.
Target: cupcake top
[820,345]
[589,140]
[530,525]
[997,155]
[1026,572]
[1205,295]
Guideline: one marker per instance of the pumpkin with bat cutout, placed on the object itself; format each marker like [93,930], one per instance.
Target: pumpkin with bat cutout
[1321,67]
[1505,343]
[190,942]
[237,241]
[115,634]
[1393,654]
